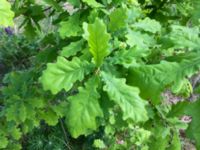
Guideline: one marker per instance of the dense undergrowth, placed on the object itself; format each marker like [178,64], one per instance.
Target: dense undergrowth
[92,74]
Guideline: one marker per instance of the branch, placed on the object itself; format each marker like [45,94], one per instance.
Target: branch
[65,134]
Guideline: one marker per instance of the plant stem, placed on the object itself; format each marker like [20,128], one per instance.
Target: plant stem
[65,134]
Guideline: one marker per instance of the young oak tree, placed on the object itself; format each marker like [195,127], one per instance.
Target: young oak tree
[100,69]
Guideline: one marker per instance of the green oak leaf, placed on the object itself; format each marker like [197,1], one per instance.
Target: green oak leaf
[49,116]
[189,109]
[36,102]
[193,131]
[118,19]
[134,14]
[6,15]
[22,111]
[161,135]
[195,12]
[127,97]
[71,27]
[98,40]
[72,49]
[181,37]
[98,143]
[148,25]
[129,57]
[140,40]
[17,111]
[176,142]
[60,109]
[93,3]
[3,142]
[153,79]
[16,133]
[83,109]
[63,74]
[140,136]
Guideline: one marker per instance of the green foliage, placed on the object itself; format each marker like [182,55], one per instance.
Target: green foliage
[72,49]
[99,47]
[148,25]
[118,14]
[18,49]
[96,71]
[179,34]
[6,14]
[88,109]
[71,27]
[46,138]
[139,40]
[158,77]
[63,74]
[92,3]
[4,142]
[126,97]
[54,4]
[190,109]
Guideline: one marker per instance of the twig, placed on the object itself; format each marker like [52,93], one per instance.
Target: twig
[65,134]
[46,9]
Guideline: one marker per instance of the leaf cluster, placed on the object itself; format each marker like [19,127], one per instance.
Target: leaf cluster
[103,67]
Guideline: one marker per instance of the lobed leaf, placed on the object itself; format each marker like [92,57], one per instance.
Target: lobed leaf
[140,40]
[193,131]
[127,97]
[72,49]
[6,15]
[3,142]
[71,27]
[148,25]
[128,57]
[49,116]
[63,74]
[182,37]
[98,40]
[189,109]
[153,79]
[118,19]
[83,109]
[93,3]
